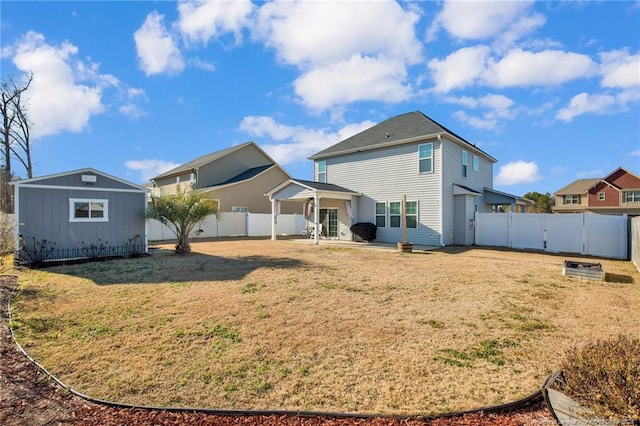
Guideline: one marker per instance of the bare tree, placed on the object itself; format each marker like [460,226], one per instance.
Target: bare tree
[14,135]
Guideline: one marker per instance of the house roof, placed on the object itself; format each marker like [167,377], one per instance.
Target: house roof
[404,128]
[493,196]
[201,161]
[246,175]
[317,187]
[579,186]
[35,180]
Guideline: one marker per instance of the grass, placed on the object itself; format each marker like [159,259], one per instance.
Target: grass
[278,325]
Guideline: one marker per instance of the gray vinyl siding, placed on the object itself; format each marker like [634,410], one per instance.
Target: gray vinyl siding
[231,165]
[452,174]
[384,176]
[44,214]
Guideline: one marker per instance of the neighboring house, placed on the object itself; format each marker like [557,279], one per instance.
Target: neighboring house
[616,193]
[82,212]
[445,179]
[237,178]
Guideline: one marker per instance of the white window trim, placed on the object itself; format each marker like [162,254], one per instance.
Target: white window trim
[425,158]
[465,163]
[395,215]
[601,196]
[475,161]
[416,214]
[72,210]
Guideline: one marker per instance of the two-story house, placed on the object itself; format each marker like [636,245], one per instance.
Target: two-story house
[616,193]
[236,177]
[444,179]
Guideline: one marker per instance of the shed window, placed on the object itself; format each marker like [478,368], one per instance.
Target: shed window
[425,158]
[88,210]
[381,215]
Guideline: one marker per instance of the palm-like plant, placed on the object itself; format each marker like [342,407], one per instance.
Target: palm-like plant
[182,210]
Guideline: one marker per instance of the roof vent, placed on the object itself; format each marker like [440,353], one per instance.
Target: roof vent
[89,178]
[387,135]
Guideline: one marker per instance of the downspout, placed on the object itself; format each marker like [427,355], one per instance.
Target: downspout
[273,219]
[441,199]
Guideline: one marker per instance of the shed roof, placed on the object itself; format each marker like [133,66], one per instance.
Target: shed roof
[86,170]
[401,129]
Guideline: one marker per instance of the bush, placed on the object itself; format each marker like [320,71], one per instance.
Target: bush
[605,377]
[7,235]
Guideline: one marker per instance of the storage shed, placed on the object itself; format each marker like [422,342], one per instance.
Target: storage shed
[78,214]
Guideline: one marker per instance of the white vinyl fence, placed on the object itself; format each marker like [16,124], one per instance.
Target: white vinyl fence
[635,241]
[232,225]
[582,233]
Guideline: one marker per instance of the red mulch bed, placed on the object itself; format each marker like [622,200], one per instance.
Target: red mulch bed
[30,397]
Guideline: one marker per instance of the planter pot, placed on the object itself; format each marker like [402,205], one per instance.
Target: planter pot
[405,247]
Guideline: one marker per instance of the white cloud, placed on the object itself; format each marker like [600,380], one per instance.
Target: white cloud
[202,20]
[156,48]
[518,172]
[546,68]
[346,51]
[620,69]
[584,103]
[359,78]
[478,20]
[460,69]
[150,168]
[590,174]
[635,153]
[296,142]
[320,33]
[497,109]
[57,102]
[484,123]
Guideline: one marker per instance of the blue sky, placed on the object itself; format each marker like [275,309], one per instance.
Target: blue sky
[132,88]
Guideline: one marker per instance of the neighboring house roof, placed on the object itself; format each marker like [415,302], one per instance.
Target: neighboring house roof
[404,128]
[579,186]
[493,196]
[246,175]
[87,170]
[203,160]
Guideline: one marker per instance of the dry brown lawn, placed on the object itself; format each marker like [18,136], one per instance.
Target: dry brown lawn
[282,325]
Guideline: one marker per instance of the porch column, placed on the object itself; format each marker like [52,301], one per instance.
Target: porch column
[274,215]
[316,218]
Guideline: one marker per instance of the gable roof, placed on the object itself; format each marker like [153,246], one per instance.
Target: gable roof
[318,187]
[401,129]
[35,180]
[206,159]
[579,186]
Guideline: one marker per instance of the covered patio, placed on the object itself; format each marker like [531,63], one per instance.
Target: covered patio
[328,208]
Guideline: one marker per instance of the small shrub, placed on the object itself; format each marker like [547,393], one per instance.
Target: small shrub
[605,377]
[34,251]
[135,246]
[94,250]
[6,234]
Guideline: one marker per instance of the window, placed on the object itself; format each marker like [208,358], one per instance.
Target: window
[572,199]
[601,196]
[87,210]
[425,158]
[632,197]
[465,163]
[395,209]
[475,161]
[412,214]
[381,215]
[239,209]
[322,171]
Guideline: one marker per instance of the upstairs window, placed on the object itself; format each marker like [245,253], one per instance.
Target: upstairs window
[601,196]
[475,161]
[465,163]
[572,199]
[632,197]
[88,210]
[381,215]
[395,210]
[322,171]
[425,158]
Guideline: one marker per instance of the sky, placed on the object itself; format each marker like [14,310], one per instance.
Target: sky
[134,88]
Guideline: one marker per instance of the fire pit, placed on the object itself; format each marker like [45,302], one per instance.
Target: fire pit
[590,271]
